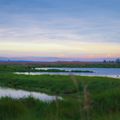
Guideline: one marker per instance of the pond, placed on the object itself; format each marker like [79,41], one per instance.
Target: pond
[104,72]
[17,94]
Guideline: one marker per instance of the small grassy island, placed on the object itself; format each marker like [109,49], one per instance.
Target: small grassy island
[58,70]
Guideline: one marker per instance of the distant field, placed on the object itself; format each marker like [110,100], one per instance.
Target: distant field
[26,66]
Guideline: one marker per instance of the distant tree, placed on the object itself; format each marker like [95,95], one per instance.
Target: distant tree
[111,61]
[118,60]
[29,69]
[104,61]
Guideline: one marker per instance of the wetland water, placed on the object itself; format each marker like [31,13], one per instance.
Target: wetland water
[17,94]
[104,72]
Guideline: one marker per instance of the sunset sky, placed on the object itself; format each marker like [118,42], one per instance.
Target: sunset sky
[60,28]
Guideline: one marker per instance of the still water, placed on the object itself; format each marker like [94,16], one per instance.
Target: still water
[105,72]
[17,94]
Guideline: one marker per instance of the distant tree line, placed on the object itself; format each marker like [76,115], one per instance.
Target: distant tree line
[112,61]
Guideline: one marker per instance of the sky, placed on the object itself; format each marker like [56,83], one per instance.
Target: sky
[87,29]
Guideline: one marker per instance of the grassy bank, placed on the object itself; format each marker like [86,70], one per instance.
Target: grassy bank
[85,98]
[58,84]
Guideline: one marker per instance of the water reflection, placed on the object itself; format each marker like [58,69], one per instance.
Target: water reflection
[17,94]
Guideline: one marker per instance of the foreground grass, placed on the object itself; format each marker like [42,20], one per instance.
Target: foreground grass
[85,98]
[31,109]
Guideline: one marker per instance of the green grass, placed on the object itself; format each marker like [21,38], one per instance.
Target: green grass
[58,84]
[100,94]
[31,109]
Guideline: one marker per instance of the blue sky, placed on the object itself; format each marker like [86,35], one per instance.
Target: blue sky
[60,28]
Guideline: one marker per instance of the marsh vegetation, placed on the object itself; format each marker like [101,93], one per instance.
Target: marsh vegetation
[84,98]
